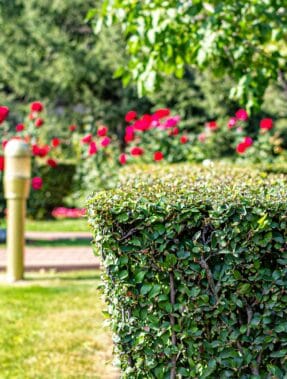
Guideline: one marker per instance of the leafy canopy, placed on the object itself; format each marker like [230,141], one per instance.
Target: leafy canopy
[244,39]
[49,53]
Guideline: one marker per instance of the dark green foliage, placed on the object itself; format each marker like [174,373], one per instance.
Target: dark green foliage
[195,272]
[49,53]
[57,184]
[243,39]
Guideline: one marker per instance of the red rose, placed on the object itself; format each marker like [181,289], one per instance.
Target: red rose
[44,151]
[72,128]
[102,131]
[35,150]
[130,134]
[172,122]
[212,125]
[130,116]
[266,123]
[105,141]
[137,151]
[2,163]
[183,139]
[174,131]
[123,159]
[248,141]
[129,137]
[20,127]
[55,142]
[144,123]
[4,112]
[87,138]
[161,113]
[158,156]
[37,183]
[52,163]
[39,122]
[40,151]
[36,106]
[241,148]
[92,148]
[241,114]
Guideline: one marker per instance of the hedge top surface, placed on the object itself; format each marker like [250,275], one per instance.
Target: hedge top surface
[184,184]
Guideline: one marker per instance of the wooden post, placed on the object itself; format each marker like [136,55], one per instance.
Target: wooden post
[17,176]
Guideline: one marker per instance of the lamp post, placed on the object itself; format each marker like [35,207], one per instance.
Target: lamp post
[17,176]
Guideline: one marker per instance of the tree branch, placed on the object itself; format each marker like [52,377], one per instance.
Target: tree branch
[129,233]
[209,277]
[172,323]
[249,318]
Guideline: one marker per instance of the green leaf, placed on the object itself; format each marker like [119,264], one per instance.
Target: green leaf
[279,354]
[123,274]
[140,276]
[209,369]
[145,289]
[244,288]
[154,291]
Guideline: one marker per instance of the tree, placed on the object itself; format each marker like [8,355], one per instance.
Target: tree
[49,53]
[244,39]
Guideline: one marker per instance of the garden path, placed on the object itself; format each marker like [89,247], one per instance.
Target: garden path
[51,256]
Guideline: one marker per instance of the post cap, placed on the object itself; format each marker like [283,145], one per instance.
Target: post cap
[17,148]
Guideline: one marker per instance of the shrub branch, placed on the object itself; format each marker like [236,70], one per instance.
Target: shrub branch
[172,323]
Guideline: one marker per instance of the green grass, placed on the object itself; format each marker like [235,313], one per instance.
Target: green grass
[52,327]
[63,242]
[68,225]
[78,225]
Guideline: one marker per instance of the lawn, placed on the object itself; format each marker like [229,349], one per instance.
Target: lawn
[59,242]
[52,327]
[67,225]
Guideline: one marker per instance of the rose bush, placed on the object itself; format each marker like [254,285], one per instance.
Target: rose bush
[233,141]
[46,168]
[97,161]
[154,137]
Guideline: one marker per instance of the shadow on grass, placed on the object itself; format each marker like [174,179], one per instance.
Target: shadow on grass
[60,242]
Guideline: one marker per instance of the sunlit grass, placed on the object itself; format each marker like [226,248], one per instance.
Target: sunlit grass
[68,225]
[52,327]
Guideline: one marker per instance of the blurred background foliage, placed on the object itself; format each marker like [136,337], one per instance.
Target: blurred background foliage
[50,53]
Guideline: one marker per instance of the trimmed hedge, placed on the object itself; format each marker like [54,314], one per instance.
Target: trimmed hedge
[195,272]
[274,168]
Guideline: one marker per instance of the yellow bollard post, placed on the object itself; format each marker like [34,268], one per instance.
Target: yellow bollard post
[17,176]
